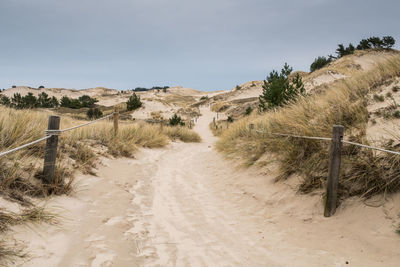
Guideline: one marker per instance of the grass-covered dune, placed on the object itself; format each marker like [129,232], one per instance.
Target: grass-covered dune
[78,150]
[344,101]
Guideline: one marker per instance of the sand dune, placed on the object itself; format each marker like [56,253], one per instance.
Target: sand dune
[200,210]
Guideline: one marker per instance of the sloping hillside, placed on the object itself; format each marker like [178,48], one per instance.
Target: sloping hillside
[236,101]
[364,101]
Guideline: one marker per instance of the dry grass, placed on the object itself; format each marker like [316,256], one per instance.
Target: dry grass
[31,215]
[219,128]
[79,149]
[344,102]
[9,253]
[220,107]
[182,133]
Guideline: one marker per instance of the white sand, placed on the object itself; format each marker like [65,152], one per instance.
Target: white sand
[185,205]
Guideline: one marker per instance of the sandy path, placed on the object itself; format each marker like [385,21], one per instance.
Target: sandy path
[187,206]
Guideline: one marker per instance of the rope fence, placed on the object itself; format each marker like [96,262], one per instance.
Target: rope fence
[24,146]
[330,139]
[334,161]
[58,132]
[51,138]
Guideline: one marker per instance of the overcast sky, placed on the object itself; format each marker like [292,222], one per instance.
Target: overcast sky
[207,44]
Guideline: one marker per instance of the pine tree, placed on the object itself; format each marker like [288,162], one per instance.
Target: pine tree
[388,42]
[278,90]
[176,120]
[320,62]
[133,102]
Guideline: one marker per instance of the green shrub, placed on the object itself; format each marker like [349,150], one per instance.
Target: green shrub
[176,120]
[84,101]
[342,51]
[41,87]
[94,113]
[278,90]
[319,63]
[248,111]
[5,100]
[396,114]
[44,101]
[230,119]
[238,87]
[133,102]
[395,89]
[379,98]
[386,42]
[87,102]
[204,97]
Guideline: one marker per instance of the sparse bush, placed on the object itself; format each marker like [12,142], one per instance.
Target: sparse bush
[14,86]
[133,102]
[379,98]
[278,90]
[342,51]
[389,94]
[319,63]
[395,89]
[28,101]
[396,114]
[41,87]
[94,113]
[238,87]
[84,101]
[176,120]
[44,101]
[374,42]
[388,42]
[248,111]
[181,133]
[230,119]
[204,98]
[5,101]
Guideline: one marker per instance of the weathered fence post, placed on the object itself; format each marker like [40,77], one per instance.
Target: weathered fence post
[217,115]
[51,151]
[333,171]
[116,115]
[251,126]
[214,121]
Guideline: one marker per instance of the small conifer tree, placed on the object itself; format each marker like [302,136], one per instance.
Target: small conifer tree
[278,90]
[133,102]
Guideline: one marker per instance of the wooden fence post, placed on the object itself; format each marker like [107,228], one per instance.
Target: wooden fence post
[214,121]
[333,171]
[251,126]
[51,151]
[116,115]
